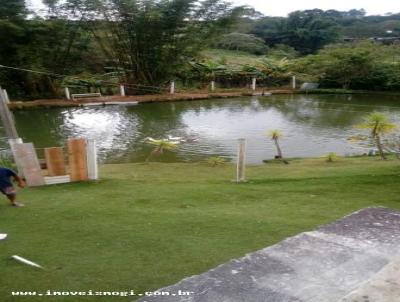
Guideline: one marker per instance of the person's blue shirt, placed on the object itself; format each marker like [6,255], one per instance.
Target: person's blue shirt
[5,177]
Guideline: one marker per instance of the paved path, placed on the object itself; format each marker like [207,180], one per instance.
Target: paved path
[351,260]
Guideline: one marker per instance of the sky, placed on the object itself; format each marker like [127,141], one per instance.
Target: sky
[283,7]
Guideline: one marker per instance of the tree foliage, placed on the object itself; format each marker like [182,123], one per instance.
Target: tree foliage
[306,31]
[150,40]
[242,42]
[364,65]
[378,124]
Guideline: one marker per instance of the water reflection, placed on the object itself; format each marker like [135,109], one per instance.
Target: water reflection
[313,125]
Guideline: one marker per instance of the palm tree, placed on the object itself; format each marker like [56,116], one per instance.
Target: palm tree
[379,124]
[159,146]
[275,136]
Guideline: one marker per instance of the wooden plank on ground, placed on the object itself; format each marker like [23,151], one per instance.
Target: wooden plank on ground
[55,161]
[26,158]
[52,180]
[77,159]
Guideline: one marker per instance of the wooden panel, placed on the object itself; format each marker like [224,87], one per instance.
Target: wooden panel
[55,161]
[77,159]
[92,159]
[27,160]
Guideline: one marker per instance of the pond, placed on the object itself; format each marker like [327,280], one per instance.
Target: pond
[312,125]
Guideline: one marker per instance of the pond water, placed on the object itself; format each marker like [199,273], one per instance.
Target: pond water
[312,125]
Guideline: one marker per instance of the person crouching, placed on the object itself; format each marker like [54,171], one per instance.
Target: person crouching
[6,185]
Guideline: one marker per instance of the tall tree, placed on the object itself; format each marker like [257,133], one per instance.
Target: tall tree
[151,39]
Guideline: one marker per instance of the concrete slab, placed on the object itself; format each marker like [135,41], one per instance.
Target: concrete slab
[320,266]
[383,287]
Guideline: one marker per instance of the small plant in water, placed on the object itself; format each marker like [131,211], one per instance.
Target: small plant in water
[378,124]
[331,157]
[275,135]
[216,161]
[159,146]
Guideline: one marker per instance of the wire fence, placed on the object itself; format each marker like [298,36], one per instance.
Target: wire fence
[82,85]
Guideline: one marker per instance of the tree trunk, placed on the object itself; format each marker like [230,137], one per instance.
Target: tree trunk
[379,146]
[278,148]
[157,150]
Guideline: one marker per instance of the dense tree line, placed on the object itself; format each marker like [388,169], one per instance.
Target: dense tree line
[93,43]
[134,41]
[364,65]
[310,30]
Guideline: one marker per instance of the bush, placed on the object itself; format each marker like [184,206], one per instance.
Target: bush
[242,42]
[6,160]
[216,161]
[331,157]
[365,66]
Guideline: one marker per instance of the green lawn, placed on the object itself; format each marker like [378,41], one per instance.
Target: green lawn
[146,226]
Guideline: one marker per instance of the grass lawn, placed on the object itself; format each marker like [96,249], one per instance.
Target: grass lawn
[146,226]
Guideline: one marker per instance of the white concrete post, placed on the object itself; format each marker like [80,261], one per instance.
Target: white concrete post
[212,85]
[172,88]
[241,161]
[7,99]
[91,157]
[122,90]
[293,82]
[67,94]
[253,84]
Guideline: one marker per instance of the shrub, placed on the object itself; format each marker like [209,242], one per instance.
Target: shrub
[216,161]
[331,157]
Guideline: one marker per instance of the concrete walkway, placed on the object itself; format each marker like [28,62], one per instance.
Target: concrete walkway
[353,259]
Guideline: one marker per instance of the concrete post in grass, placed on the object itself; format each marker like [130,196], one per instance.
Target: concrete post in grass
[122,90]
[212,85]
[241,161]
[253,84]
[172,87]
[293,82]
[91,156]
[67,94]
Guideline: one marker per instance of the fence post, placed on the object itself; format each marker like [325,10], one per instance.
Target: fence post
[91,156]
[122,90]
[172,88]
[67,94]
[241,161]
[253,84]
[212,85]
[293,82]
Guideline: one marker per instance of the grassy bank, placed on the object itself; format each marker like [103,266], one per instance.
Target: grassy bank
[146,226]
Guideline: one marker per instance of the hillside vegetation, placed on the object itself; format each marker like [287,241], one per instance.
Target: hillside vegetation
[91,45]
